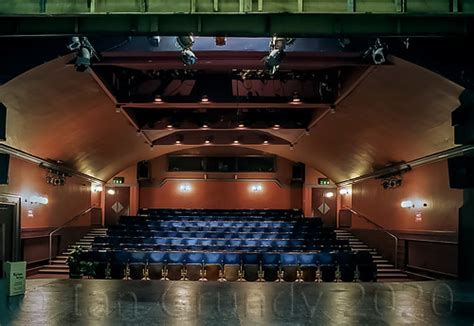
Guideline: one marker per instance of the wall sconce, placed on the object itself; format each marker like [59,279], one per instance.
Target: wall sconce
[345,191]
[39,200]
[185,188]
[97,188]
[406,204]
[329,194]
[256,188]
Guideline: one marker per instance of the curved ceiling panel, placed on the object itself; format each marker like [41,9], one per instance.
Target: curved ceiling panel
[57,113]
[398,112]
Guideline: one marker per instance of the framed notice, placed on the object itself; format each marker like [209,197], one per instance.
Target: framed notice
[15,273]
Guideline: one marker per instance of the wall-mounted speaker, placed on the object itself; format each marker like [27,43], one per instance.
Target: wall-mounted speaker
[3,122]
[143,171]
[461,172]
[462,119]
[298,174]
[4,167]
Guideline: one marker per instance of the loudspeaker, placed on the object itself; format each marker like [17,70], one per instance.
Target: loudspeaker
[143,170]
[4,167]
[462,119]
[3,122]
[298,174]
[461,172]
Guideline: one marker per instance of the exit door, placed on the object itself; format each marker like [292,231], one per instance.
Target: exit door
[117,203]
[9,234]
[324,205]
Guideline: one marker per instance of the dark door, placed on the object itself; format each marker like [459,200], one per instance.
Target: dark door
[7,234]
[117,203]
[325,206]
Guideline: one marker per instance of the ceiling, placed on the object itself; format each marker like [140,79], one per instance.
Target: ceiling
[379,114]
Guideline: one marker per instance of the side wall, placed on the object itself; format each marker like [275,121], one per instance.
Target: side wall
[27,180]
[429,231]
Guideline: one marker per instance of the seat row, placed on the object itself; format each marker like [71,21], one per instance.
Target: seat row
[205,241]
[253,213]
[227,234]
[218,266]
[153,247]
[302,223]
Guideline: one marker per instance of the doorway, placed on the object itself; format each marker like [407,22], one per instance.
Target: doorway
[117,203]
[325,205]
[9,230]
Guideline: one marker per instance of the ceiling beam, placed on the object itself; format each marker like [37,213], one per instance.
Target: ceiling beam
[307,24]
[226,60]
[226,105]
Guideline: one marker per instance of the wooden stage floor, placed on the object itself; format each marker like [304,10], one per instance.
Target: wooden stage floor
[108,302]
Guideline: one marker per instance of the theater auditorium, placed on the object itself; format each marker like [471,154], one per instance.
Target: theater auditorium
[236,162]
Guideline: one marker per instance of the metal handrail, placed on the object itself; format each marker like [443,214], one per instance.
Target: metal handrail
[75,217]
[395,256]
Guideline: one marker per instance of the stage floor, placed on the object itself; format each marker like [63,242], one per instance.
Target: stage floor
[106,302]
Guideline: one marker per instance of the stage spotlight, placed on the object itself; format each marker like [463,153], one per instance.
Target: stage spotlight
[75,44]
[154,41]
[185,42]
[277,53]
[84,52]
[83,60]
[392,182]
[187,55]
[377,52]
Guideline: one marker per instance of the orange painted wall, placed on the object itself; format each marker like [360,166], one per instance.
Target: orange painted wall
[26,180]
[428,184]
[221,195]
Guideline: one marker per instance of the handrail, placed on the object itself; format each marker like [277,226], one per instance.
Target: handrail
[75,217]
[378,227]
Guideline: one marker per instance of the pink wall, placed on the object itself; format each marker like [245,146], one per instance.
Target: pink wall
[26,180]
[220,195]
[425,185]
[220,190]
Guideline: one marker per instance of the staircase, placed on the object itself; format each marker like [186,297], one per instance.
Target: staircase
[58,267]
[386,272]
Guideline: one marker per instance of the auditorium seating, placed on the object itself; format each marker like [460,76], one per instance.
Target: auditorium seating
[230,245]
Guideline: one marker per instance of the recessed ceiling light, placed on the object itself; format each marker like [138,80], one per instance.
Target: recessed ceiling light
[296,99]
